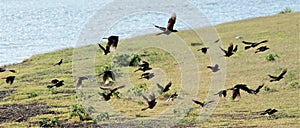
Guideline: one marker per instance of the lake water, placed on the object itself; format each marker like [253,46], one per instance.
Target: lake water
[29,27]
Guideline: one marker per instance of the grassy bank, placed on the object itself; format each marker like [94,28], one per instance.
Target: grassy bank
[35,73]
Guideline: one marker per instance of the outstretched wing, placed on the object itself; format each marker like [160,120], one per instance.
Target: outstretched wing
[101,47]
[160,28]
[248,43]
[168,86]
[223,50]
[160,87]
[258,88]
[236,94]
[198,102]
[235,48]
[264,41]
[282,73]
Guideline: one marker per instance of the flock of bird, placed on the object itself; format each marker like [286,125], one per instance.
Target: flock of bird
[144,67]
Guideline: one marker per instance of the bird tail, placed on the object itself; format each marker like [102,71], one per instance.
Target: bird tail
[143,109]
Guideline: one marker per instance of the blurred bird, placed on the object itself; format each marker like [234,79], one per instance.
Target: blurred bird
[214,68]
[203,50]
[277,78]
[59,63]
[151,101]
[147,75]
[57,84]
[108,95]
[196,44]
[236,91]
[230,50]
[222,93]
[9,79]
[253,44]
[170,26]
[106,76]
[261,49]
[144,66]
[202,104]
[164,89]
[172,97]
[3,70]
[54,81]
[269,111]
[79,81]
[111,44]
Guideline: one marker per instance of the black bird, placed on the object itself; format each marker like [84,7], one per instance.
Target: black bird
[230,50]
[147,75]
[164,89]
[79,81]
[107,75]
[214,68]
[144,66]
[54,81]
[261,49]
[269,111]
[202,104]
[203,50]
[172,97]
[222,93]
[3,70]
[151,101]
[9,79]
[236,91]
[59,63]
[277,78]
[170,25]
[57,84]
[258,88]
[196,44]
[253,44]
[111,44]
[108,95]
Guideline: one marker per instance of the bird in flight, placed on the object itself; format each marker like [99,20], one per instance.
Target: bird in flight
[3,70]
[253,44]
[172,97]
[9,79]
[277,78]
[111,44]
[236,90]
[164,89]
[214,68]
[222,93]
[108,94]
[56,83]
[151,101]
[147,75]
[269,111]
[107,76]
[261,49]
[79,81]
[203,50]
[59,62]
[202,104]
[230,50]
[144,66]
[170,26]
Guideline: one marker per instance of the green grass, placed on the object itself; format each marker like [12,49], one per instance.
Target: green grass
[282,31]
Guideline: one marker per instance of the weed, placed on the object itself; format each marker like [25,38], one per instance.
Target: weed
[102,116]
[78,111]
[271,56]
[138,90]
[294,84]
[48,122]
[32,95]
[285,11]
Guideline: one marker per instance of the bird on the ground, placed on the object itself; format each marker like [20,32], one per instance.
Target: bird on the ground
[59,62]
[214,68]
[144,66]
[9,79]
[151,101]
[164,89]
[79,81]
[269,111]
[203,50]
[56,83]
[170,26]
[253,44]
[107,76]
[222,93]
[277,78]
[107,96]
[172,97]
[3,70]
[202,104]
[261,49]
[230,50]
[147,75]
[111,44]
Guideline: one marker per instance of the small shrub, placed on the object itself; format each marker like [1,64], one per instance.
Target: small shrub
[135,60]
[294,84]
[272,57]
[268,89]
[285,11]
[32,95]
[48,123]
[138,90]
[102,116]
[78,111]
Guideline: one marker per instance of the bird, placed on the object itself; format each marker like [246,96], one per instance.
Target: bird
[203,50]
[196,44]
[202,104]
[214,68]
[230,50]
[144,66]
[170,26]
[79,81]
[277,78]
[261,49]
[59,63]
[236,91]
[3,70]
[107,75]
[164,89]
[107,96]
[222,93]
[172,97]
[147,75]
[253,44]
[56,83]
[151,101]
[269,111]
[9,79]
[258,88]
[111,44]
